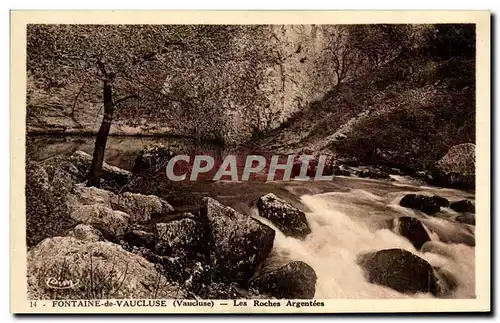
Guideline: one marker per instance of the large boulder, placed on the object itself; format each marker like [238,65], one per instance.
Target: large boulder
[236,244]
[458,167]
[441,201]
[112,223]
[69,268]
[140,207]
[288,219]
[463,206]
[426,204]
[153,158]
[295,280]
[413,230]
[62,166]
[83,195]
[47,213]
[178,238]
[400,270]
[112,178]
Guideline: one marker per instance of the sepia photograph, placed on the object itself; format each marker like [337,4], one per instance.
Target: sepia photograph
[261,166]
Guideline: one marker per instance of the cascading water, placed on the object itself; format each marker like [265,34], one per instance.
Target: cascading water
[347,224]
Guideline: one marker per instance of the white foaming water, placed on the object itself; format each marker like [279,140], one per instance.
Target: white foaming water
[345,225]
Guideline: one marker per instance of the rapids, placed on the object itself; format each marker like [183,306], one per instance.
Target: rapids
[347,224]
[348,216]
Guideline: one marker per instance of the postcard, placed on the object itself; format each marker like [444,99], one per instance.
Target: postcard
[250,161]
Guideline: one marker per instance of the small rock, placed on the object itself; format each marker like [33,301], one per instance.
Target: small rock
[400,270]
[296,280]
[423,175]
[373,173]
[413,230]
[340,136]
[197,278]
[466,218]
[140,238]
[441,201]
[423,203]
[86,232]
[463,206]
[341,170]
[217,290]
[288,219]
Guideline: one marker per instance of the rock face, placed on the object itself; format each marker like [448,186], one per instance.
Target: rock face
[426,204]
[463,206]
[413,230]
[295,280]
[458,167]
[288,219]
[237,244]
[302,54]
[68,268]
[400,270]
[152,158]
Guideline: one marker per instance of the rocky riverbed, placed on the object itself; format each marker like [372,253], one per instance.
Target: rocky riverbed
[365,234]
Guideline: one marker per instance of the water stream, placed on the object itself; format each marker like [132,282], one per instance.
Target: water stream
[347,216]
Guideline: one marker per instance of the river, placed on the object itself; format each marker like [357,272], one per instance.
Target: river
[348,217]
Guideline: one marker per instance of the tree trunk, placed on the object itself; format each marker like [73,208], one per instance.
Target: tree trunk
[102,137]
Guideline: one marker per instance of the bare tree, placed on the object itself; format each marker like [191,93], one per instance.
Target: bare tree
[187,77]
[345,57]
[102,136]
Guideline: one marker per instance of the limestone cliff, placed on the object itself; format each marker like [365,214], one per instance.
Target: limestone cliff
[248,80]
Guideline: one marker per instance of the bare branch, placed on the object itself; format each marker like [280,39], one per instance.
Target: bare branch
[151,89]
[76,99]
[126,98]
[100,63]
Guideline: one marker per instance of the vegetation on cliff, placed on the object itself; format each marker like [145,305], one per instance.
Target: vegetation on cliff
[406,113]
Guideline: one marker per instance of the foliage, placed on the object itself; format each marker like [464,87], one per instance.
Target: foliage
[191,76]
[404,104]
